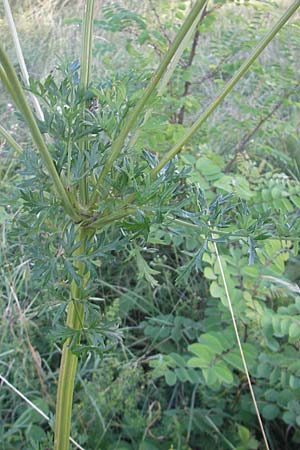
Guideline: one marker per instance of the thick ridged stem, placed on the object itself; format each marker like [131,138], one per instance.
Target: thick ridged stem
[68,365]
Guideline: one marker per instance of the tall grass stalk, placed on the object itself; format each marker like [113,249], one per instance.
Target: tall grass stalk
[171,67]
[20,57]
[10,140]
[68,364]
[236,332]
[85,72]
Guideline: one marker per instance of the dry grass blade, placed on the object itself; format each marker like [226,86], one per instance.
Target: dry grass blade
[240,344]
[20,57]
[33,406]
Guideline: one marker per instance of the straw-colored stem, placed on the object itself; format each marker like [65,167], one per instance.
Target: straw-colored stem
[236,332]
[20,57]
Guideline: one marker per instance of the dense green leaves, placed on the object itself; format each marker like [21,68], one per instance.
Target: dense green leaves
[158,355]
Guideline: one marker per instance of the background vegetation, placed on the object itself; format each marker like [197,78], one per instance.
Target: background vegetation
[175,378]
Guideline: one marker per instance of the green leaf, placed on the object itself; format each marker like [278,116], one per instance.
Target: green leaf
[234,359]
[199,362]
[178,359]
[35,433]
[209,273]
[145,271]
[294,330]
[182,374]
[170,377]
[216,290]
[210,376]
[212,342]
[223,373]
[270,412]
[294,382]
[244,433]
[200,350]
[289,417]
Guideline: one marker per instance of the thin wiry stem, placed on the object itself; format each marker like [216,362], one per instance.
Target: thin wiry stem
[33,406]
[10,140]
[9,87]
[213,425]
[20,57]
[75,313]
[171,68]
[239,343]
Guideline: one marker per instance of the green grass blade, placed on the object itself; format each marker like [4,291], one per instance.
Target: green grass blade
[10,140]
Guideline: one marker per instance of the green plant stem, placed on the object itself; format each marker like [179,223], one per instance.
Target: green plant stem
[171,68]
[68,365]
[10,79]
[86,57]
[100,222]
[10,140]
[228,87]
[8,86]
[133,116]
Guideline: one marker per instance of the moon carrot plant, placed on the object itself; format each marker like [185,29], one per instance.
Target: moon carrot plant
[92,191]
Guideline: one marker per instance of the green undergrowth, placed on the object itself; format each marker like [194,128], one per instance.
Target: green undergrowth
[159,366]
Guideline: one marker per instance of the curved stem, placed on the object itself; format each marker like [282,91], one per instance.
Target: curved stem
[10,79]
[228,87]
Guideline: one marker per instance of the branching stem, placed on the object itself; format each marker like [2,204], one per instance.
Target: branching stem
[133,116]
